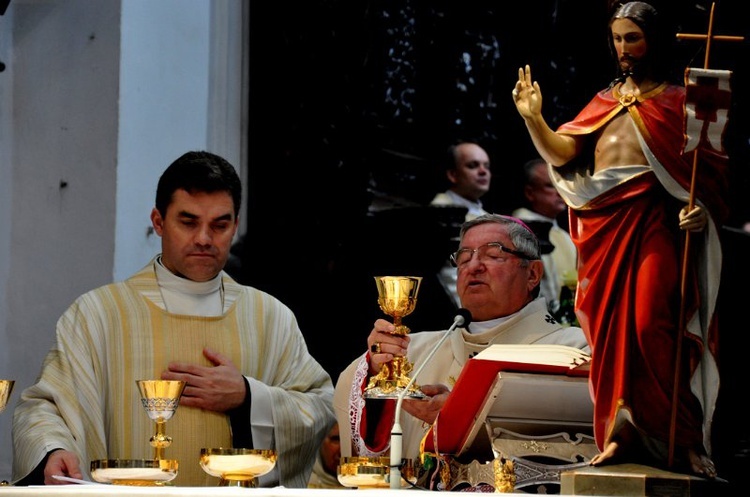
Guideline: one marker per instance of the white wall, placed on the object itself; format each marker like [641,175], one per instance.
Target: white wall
[6,197]
[163,111]
[94,104]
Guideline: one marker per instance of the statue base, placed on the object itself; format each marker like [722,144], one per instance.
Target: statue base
[637,480]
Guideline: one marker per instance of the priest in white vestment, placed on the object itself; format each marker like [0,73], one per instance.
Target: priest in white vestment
[250,380]
[499,270]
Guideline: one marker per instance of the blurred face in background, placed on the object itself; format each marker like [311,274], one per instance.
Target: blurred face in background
[542,194]
[330,450]
[471,176]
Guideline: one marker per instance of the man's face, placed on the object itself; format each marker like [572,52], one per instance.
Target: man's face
[196,234]
[330,450]
[495,288]
[630,44]
[471,177]
[542,194]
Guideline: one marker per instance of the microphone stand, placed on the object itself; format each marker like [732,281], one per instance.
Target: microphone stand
[397,441]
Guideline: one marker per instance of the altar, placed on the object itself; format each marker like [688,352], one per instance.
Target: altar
[119,490]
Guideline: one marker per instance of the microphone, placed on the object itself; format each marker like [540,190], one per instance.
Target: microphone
[463,318]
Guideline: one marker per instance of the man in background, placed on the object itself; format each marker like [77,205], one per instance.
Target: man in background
[543,206]
[325,470]
[467,168]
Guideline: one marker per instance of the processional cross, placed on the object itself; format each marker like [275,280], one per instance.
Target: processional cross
[705,102]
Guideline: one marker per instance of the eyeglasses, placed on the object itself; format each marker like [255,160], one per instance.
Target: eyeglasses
[489,252]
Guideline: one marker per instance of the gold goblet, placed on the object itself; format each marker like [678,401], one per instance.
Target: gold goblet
[237,467]
[397,297]
[6,388]
[160,399]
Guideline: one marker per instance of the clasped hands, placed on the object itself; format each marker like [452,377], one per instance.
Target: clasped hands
[381,339]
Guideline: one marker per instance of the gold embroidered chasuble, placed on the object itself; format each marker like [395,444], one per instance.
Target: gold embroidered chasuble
[87,399]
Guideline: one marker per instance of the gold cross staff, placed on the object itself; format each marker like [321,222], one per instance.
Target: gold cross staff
[708,37]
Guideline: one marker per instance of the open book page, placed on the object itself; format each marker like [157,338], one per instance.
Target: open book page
[546,354]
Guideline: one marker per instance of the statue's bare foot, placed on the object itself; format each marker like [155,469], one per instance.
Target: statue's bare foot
[609,455]
[701,464]
[618,448]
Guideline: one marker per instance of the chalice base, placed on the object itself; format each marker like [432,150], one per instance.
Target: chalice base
[372,472]
[389,392]
[392,381]
[239,481]
[237,467]
[135,472]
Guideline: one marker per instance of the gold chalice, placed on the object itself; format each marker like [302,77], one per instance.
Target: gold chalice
[237,467]
[6,388]
[397,297]
[160,399]
[372,472]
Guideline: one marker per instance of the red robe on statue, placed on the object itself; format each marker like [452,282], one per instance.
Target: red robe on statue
[629,274]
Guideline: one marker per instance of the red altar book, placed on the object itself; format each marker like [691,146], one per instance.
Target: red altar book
[480,380]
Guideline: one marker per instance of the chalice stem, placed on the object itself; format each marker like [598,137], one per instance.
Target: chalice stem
[401,329]
[160,440]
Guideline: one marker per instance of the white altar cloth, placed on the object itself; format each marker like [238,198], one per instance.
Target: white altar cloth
[121,490]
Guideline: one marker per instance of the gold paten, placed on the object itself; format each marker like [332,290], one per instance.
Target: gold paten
[372,472]
[134,472]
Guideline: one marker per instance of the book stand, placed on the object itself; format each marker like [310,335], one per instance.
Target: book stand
[541,423]
[540,460]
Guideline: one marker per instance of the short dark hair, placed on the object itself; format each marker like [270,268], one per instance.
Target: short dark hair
[450,159]
[520,234]
[528,169]
[198,171]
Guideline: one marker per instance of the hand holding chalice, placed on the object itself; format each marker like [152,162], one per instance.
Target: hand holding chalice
[397,297]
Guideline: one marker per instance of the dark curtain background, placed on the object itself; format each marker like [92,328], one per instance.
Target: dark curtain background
[352,103]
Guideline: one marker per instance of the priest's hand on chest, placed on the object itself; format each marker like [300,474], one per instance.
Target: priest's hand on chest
[220,387]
